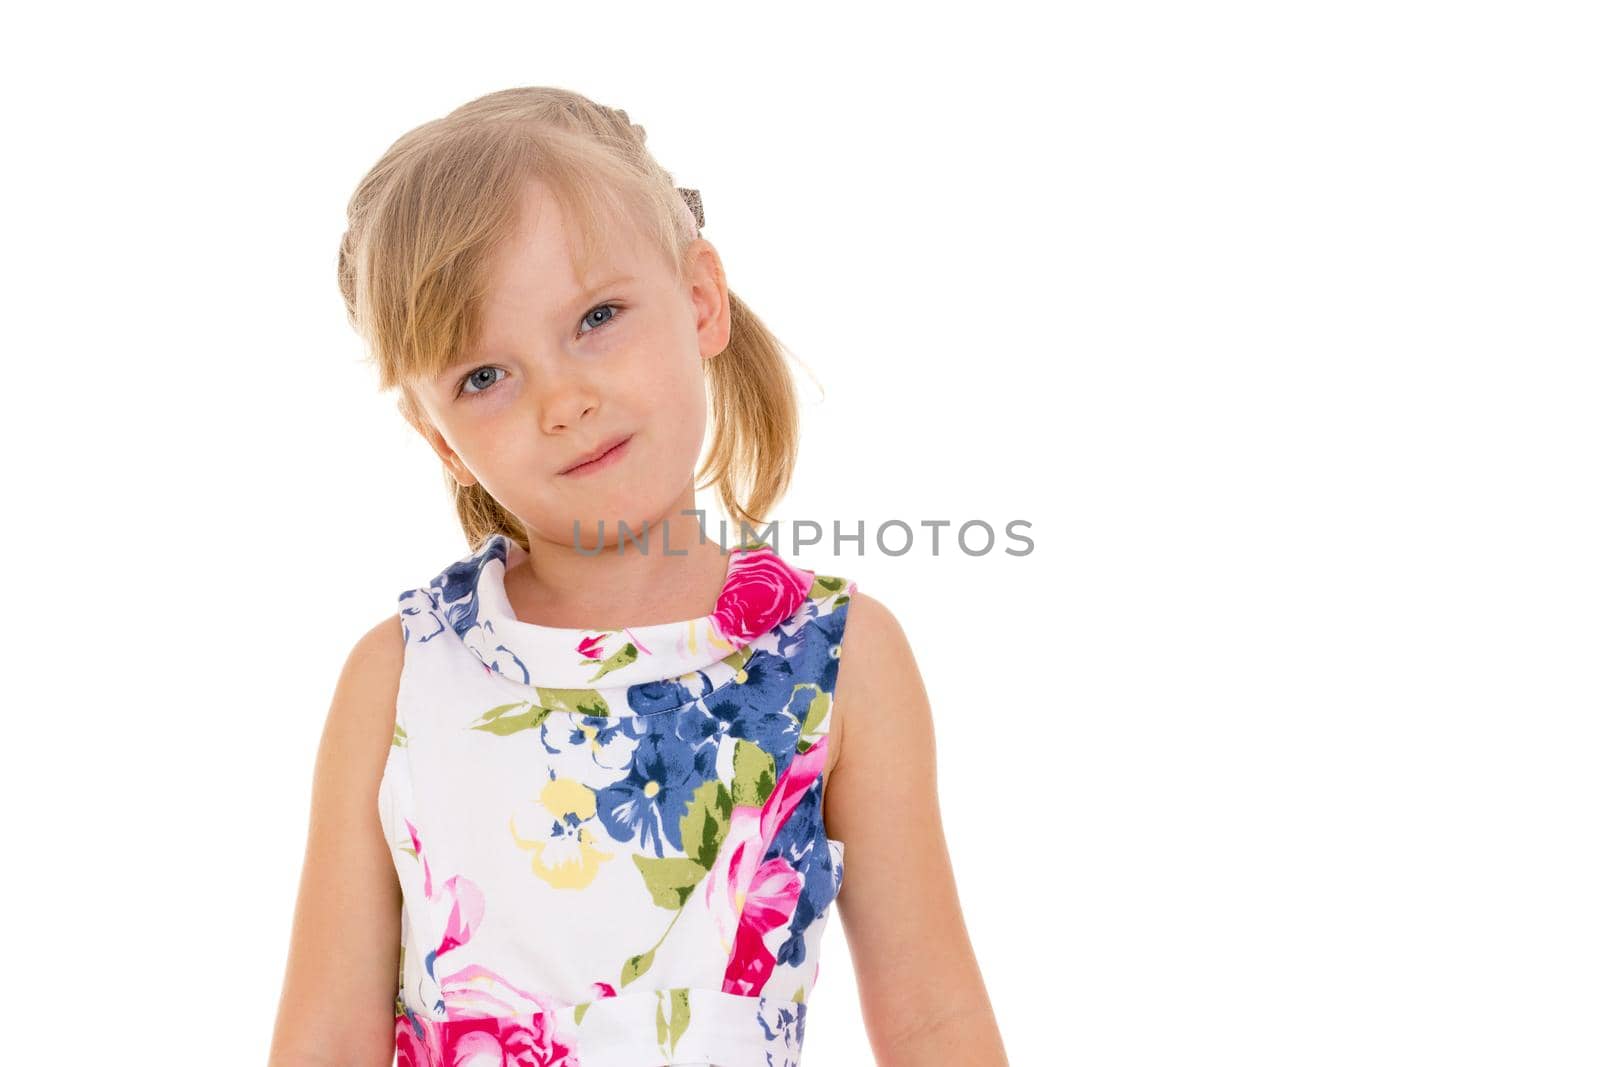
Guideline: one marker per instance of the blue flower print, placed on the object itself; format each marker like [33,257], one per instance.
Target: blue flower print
[418,621]
[810,648]
[593,749]
[803,843]
[647,697]
[783,1026]
[755,709]
[457,587]
[650,802]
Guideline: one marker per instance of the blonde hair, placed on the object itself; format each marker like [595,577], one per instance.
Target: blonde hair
[423,225]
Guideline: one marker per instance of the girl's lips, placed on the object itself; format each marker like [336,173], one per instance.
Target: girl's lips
[602,462]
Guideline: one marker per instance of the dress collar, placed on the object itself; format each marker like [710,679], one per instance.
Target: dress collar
[759,590]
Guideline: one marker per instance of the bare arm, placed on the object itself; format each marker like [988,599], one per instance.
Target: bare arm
[337,1005]
[922,994]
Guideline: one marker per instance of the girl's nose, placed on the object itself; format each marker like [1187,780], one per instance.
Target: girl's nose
[567,406]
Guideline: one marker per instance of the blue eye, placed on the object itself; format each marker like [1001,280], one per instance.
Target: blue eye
[473,375]
[603,322]
[461,388]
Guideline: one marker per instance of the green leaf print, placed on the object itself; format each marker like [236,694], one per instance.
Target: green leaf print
[680,1015]
[668,1033]
[735,659]
[617,660]
[825,585]
[636,966]
[399,737]
[705,824]
[577,701]
[670,879]
[499,721]
[579,1012]
[811,722]
[754,774]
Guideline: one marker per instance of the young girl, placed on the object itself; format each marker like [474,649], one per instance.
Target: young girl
[570,801]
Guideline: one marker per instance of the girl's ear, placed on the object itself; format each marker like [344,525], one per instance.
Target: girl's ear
[458,470]
[708,289]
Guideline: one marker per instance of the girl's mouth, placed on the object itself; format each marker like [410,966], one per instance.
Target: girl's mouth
[607,459]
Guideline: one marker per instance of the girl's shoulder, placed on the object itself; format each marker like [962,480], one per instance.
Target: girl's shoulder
[370,680]
[875,654]
[879,694]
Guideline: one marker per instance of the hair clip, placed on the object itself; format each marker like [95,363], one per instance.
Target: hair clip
[692,198]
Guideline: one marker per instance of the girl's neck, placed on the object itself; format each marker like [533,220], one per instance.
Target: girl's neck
[672,575]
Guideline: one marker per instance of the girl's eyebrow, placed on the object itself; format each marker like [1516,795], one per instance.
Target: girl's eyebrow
[583,296]
[605,283]
[615,279]
[567,305]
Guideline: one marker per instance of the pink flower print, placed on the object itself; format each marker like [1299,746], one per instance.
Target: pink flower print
[416,846]
[746,897]
[768,905]
[462,896]
[490,1041]
[470,991]
[761,591]
[493,1042]
[592,647]
[412,1049]
[466,912]
[475,991]
[466,901]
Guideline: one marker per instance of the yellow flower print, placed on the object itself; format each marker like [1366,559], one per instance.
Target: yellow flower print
[568,859]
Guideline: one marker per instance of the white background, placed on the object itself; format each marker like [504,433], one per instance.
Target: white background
[1277,323]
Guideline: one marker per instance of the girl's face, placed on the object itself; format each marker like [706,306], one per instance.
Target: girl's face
[562,370]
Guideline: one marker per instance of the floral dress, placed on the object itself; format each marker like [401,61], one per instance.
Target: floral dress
[610,843]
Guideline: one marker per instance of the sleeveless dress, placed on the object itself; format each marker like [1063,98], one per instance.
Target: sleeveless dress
[610,843]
